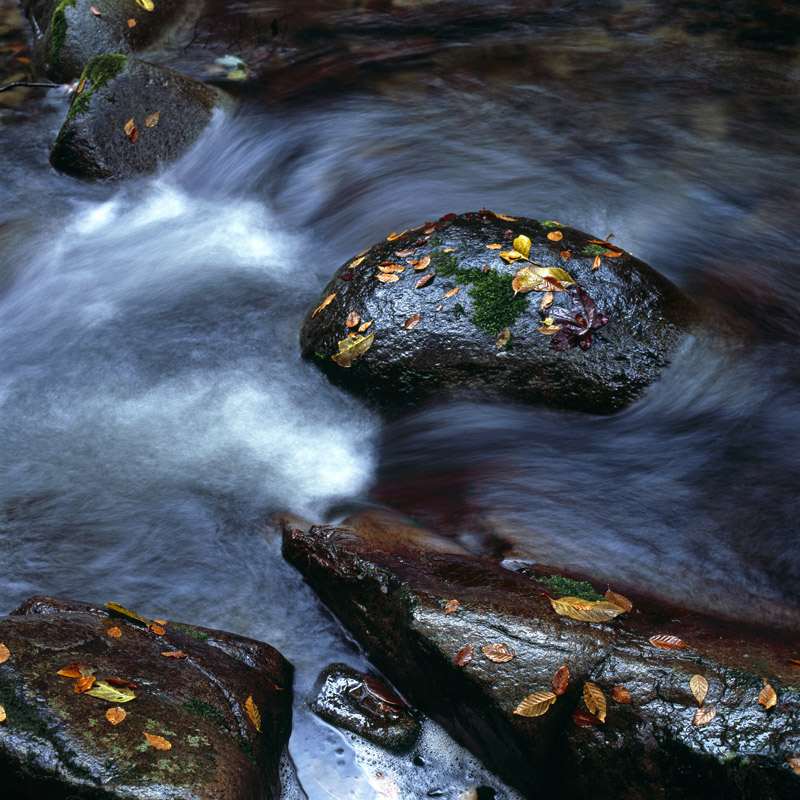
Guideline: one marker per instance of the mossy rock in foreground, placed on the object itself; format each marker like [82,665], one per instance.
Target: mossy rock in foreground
[454,347]
[129,117]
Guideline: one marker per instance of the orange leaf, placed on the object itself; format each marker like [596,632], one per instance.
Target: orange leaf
[464,655]
[388,278]
[353,318]
[411,322]
[129,126]
[451,606]
[619,600]
[596,263]
[116,715]
[507,219]
[565,254]
[794,763]
[555,236]
[2,714]
[547,300]
[561,679]
[253,713]
[323,304]
[364,325]
[159,742]
[354,264]
[72,671]
[396,236]
[495,246]
[667,641]
[389,267]
[5,653]
[423,280]
[157,630]
[451,292]
[620,694]
[175,654]
[151,120]
[114,632]
[96,11]
[131,23]
[499,653]
[612,254]
[767,696]
[794,661]
[704,715]
[423,263]
[449,250]
[84,684]
[80,86]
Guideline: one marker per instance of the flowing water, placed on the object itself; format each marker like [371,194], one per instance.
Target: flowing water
[154,408]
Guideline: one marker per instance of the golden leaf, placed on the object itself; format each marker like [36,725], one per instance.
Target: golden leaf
[619,600]
[586,610]
[364,325]
[536,704]
[667,642]
[351,349]
[72,671]
[323,304]
[159,742]
[499,653]
[451,606]
[147,5]
[522,244]
[105,691]
[354,264]
[129,126]
[449,250]
[704,715]
[422,263]
[507,219]
[131,23]
[547,300]
[423,280]
[5,653]
[561,679]
[510,255]
[253,713]
[175,654]
[555,236]
[794,762]
[503,338]
[540,279]
[495,246]
[620,694]
[151,120]
[80,86]
[394,235]
[96,11]
[464,655]
[387,269]
[548,330]
[84,683]
[157,630]
[116,715]
[114,632]
[353,318]
[411,322]
[565,254]
[451,292]
[767,696]
[2,714]
[388,278]
[595,700]
[596,262]
[699,686]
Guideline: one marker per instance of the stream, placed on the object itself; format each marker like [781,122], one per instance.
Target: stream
[155,413]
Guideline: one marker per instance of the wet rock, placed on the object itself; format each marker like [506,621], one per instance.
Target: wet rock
[463,331]
[389,583]
[68,33]
[58,743]
[98,139]
[364,705]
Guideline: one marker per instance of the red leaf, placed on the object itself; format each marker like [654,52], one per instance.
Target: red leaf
[585,719]
[561,679]
[464,655]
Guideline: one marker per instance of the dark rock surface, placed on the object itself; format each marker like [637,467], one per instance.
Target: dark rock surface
[57,743]
[456,350]
[388,582]
[363,704]
[93,142]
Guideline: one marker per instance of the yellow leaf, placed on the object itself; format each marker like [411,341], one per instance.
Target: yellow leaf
[503,338]
[510,255]
[704,715]
[595,700]
[129,126]
[451,606]
[253,713]
[393,278]
[121,611]
[451,292]
[5,653]
[620,694]
[2,714]
[548,330]
[116,715]
[507,219]
[449,250]
[394,236]
[586,610]
[351,349]
[151,120]
[495,246]
[536,704]
[323,304]
[355,263]
[159,742]
[522,244]
[113,694]
[699,686]
[541,279]
[547,300]
[389,268]
[237,74]
[147,5]
[80,86]
[767,696]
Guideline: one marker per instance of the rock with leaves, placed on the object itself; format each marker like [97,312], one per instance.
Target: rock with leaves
[106,704]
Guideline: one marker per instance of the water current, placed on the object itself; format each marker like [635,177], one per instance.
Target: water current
[154,411]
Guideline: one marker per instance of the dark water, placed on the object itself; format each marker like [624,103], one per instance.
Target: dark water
[154,409]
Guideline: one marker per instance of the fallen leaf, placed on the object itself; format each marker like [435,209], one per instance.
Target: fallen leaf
[612,254]
[585,610]
[394,235]
[364,325]
[510,255]
[547,300]
[84,683]
[5,653]
[175,654]
[3,715]
[253,713]
[159,742]
[619,600]
[449,250]
[129,126]
[699,686]
[536,704]
[96,11]
[577,321]
[791,661]
[354,264]
[561,679]
[540,279]
[73,671]
[767,696]
[131,23]
[134,137]
[326,302]
[704,715]
[522,244]
[404,253]
[555,236]
[596,262]
[80,86]
[507,219]
[105,691]
[353,335]
[411,322]
[620,695]
[423,280]
[565,254]
[495,246]
[584,719]
[451,293]
[351,349]
[595,700]
[794,762]
[667,641]
[388,278]
[439,307]
[503,338]
[147,5]
[547,330]
[423,263]
[157,630]
[353,318]
[451,606]
[151,120]
[389,268]
[499,653]
[464,655]
[116,715]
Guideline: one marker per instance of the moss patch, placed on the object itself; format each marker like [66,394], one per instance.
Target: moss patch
[199,635]
[58,31]
[197,706]
[594,250]
[495,305]
[97,74]
[566,587]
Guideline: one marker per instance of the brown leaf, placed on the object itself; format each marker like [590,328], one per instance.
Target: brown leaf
[561,679]
[351,349]
[175,654]
[84,683]
[612,254]
[2,714]
[134,137]
[159,742]
[353,318]
[395,236]
[699,686]
[80,86]
[704,715]
[464,655]
[423,263]
[767,696]
[131,23]
[449,250]
[5,653]
[364,325]
[411,322]
[439,307]
[536,704]
[794,661]
[423,280]
[555,236]
[547,300]
[499,653]
[96,11]
[507,219]
[253,713]
[596,263]
[404,253]
[116,715]
[495,246]
[151,120]
[485,269]
[620,694]
[794,763]
[565,254]
[451,293]
[584,719]
[595,700]
[326,302]
[388,278]
[157,630]
[114,632]
[585,610]
[72,671]
[619,600]
[667,641]
[129,126]
[451,606]
[378,689]
[390,267]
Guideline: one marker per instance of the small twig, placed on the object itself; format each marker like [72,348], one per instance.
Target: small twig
[26,83]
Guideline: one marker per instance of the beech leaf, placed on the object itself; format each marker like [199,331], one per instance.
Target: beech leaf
[536,704]
[354,264]
[5,653]
[499,653]
[84,683]
[96,11]
[394,236]
[522,244]
[159,742]
[116,715]
[388,278]
[157,630]
[585,610]
[494,246]
[464,655]
[423,263]
[767,696]
[351,349]
[105,691]
[561,679]
[411,322]
[596,263]
[794,761]
[423,280]
[451,606]
[390,267]
[540,279]
[403,253]
[74,671]
[175,654]
[353,319]
[253,713]
[620,695]
[619,600]
[699,686]
[667,642]
[547,300]
[326,302]
[451,292]
[704,715]
[584,719]
[595,700]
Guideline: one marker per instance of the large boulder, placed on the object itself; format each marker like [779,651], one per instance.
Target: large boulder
[450,321]
[392,585]
[128,117]
[57,741]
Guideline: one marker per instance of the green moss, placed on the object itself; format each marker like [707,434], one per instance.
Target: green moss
[197,706]
[548,223]
[495,306]
[446,265]
[594,250]
[58,31]
[566,587]
[97,73]
[199,635]
[247,747]
[458,310]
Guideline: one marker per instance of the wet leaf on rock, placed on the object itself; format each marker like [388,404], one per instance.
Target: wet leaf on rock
[411,322]
[704,715]
[84,683]
[353,318]
[394,236]
[619,600]
[151,120]
[131,23]
[577,322]
[439,307]
[507,219]
[75,671]
[157,630]
[96,11]
[451,293]
[595,700]
[324,304]
[667,641]
[503,338]
[449,250]
[364,325]
[378,689]
[566,255]
[585,719]
[540,279]
[536,704]
[794,763]
[561,679]
[404,253]
[548,330]
[134,137]
[354,264]
[422,281]
[129,126]
[114,632]
[699,686]
[451,606]
[351,349]
[105,691]
[116,715]
[522,244]
[620,695]
[547,300]
[2,714]
[596,263]
[390,267]
[464,655]
[423,263]
[495,246]
[5,653]
[767,696]
[253,713]
[159,742]
[147,5]
[585,610]
[499,653]
[510,255]
[393,278]
[555,236]
[175,654]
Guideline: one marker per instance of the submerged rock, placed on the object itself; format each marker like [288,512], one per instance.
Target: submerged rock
[58,742]
[445,318]
[390,583]
[129,117]
[364,705]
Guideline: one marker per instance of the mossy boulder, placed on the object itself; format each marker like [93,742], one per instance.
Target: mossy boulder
[69,33]
[389,583]
[56,742]
[474,337]
[169,111]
